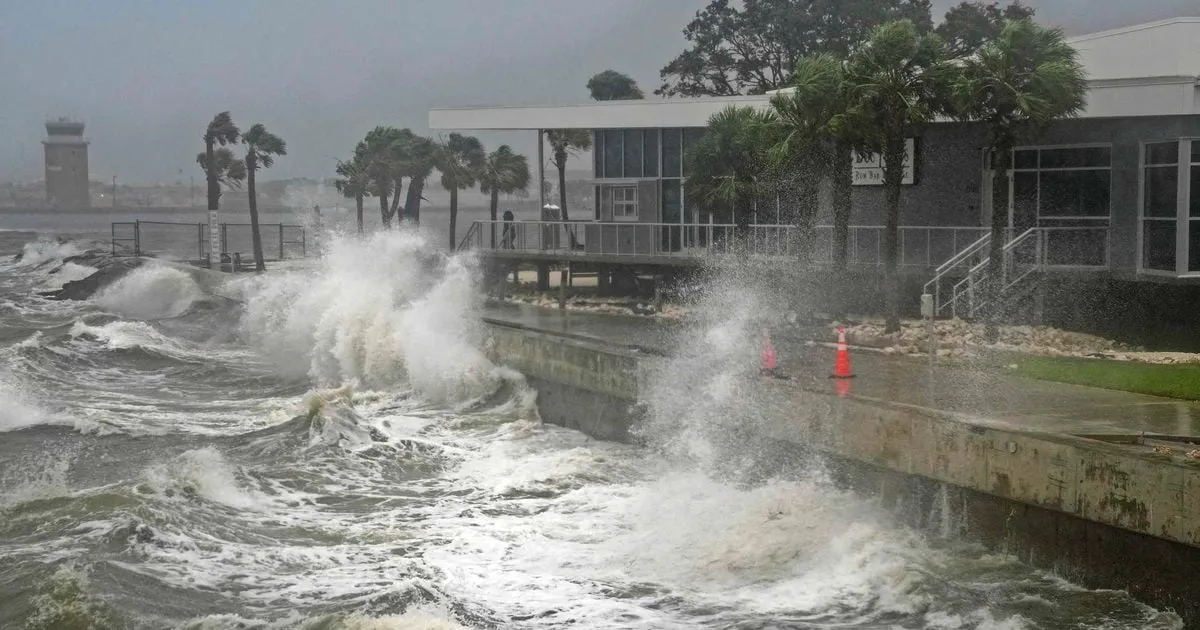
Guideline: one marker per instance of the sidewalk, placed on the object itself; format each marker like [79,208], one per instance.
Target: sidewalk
[979,397]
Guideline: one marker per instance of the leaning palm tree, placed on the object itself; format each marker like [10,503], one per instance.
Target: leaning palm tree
[504,172]
[379,152]
[726,165]
[220,131]
[229,171]
[418,165]
[563,144]
[460,159]
[896,83]
[352,183]
[1016,85]
[261,148]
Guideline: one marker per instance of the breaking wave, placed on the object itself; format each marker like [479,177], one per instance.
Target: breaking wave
[150,292]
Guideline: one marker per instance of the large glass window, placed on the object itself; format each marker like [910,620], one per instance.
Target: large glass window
[598,154]
[614,153]
[1160,209]
[1063,182]
[624,203]
[633,153]
[650,154]
[672,152]
[1193,171]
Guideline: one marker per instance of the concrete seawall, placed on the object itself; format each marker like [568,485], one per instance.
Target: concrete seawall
[1100,513]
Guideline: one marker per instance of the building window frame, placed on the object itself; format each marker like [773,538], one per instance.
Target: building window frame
[624,202]
[1039,169]
[1182,219]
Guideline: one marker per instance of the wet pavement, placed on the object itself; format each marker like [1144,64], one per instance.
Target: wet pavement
[977,396]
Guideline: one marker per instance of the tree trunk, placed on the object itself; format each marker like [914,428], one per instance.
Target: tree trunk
[214,190]
[562,196]
[495,203]
[358,205]
[842,173]
[893,175]
[1001,164]
[453,214]
[396,202]
[256,236]
[412,203]
[383,210]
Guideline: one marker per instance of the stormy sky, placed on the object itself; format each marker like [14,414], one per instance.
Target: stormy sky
[146,75]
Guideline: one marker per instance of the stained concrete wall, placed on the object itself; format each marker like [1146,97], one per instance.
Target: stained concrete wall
[1095,511]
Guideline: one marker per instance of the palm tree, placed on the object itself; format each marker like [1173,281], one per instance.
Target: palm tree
[418,165]
[563,144]
[261,148]
[504,172]
[727,163]
[352,183]
[460,160]
[896,83]
[220,131]
[819,127]
[379,153]
[1016,85]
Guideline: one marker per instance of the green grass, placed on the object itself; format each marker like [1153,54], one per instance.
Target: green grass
[1173,381]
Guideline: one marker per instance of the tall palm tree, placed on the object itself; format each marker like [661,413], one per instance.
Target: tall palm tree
[261,148]
[897,82]
[563,144]
[818,126]
[220,131]
[504,172]
[1016,85]
[460,159]
[352,183]
[726,165]
[418,165]
[379,153]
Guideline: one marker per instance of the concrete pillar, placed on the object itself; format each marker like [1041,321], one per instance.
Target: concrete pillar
[543,276]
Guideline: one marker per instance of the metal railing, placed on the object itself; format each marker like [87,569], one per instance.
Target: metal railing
[189,241]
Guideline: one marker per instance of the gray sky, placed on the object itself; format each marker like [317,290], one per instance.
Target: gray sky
[146,75]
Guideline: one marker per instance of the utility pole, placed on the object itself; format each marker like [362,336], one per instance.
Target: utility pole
[192,178]
[114,192]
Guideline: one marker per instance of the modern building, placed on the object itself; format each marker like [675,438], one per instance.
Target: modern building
[1113,193]
[66,165]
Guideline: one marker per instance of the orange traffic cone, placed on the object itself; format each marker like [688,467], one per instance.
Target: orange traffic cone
[841,361]
[767,358]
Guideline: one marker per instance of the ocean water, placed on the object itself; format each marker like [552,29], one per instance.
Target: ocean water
[329,447]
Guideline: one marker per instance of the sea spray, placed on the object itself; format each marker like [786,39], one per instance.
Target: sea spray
[380,311]
[149,292]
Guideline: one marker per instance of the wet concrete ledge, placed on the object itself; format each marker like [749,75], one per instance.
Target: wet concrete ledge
[1100,513]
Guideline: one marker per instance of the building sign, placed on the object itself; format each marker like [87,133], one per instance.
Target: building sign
[868,169]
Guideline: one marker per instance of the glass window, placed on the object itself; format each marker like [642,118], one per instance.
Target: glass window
[1161,191]
[1027,158]
[1162,153]
[691,136]
[613,153]
[672,201]
[650,154]
[624,202]
[1196,151]
[672,149]
[1193,245]
[596,203]
[1025,198]
[1158,245]
[1195,188]
[1083,193]
[1076,157]
[633,153]
[598,154]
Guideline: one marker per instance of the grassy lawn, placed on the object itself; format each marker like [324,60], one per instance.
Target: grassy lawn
[1174,381]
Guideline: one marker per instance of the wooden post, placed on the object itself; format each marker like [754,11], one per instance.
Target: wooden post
[562,286]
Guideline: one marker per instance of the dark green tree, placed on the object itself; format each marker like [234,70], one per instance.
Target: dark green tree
[898,82]
[461,160]
[230,170]
[417,166]
[726,167]
[262,147]
[1016,85]
[611,85]
[220,131]
[380,153]
[504,172]
[752,46]
[352,183]
[969,25]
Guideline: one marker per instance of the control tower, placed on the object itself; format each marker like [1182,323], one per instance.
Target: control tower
[66,165]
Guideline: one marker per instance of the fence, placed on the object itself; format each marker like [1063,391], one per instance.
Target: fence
[189,241]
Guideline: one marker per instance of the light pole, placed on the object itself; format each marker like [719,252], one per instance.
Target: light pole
[114,192]
[192,179]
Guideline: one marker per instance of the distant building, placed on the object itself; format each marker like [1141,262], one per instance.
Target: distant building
[66,165]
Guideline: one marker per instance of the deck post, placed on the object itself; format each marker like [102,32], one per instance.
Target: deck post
[543,276]
[562,285]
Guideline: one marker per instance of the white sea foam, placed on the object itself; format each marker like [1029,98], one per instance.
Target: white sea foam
[205,473]
[45,250]
[380,311]
[150,292]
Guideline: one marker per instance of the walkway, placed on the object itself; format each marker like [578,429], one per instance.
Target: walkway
[978,397]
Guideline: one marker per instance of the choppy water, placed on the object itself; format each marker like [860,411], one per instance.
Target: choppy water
[330,448]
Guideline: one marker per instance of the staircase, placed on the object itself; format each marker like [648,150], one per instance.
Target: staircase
[959,285]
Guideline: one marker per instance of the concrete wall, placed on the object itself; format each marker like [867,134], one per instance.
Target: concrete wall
[1101,513]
